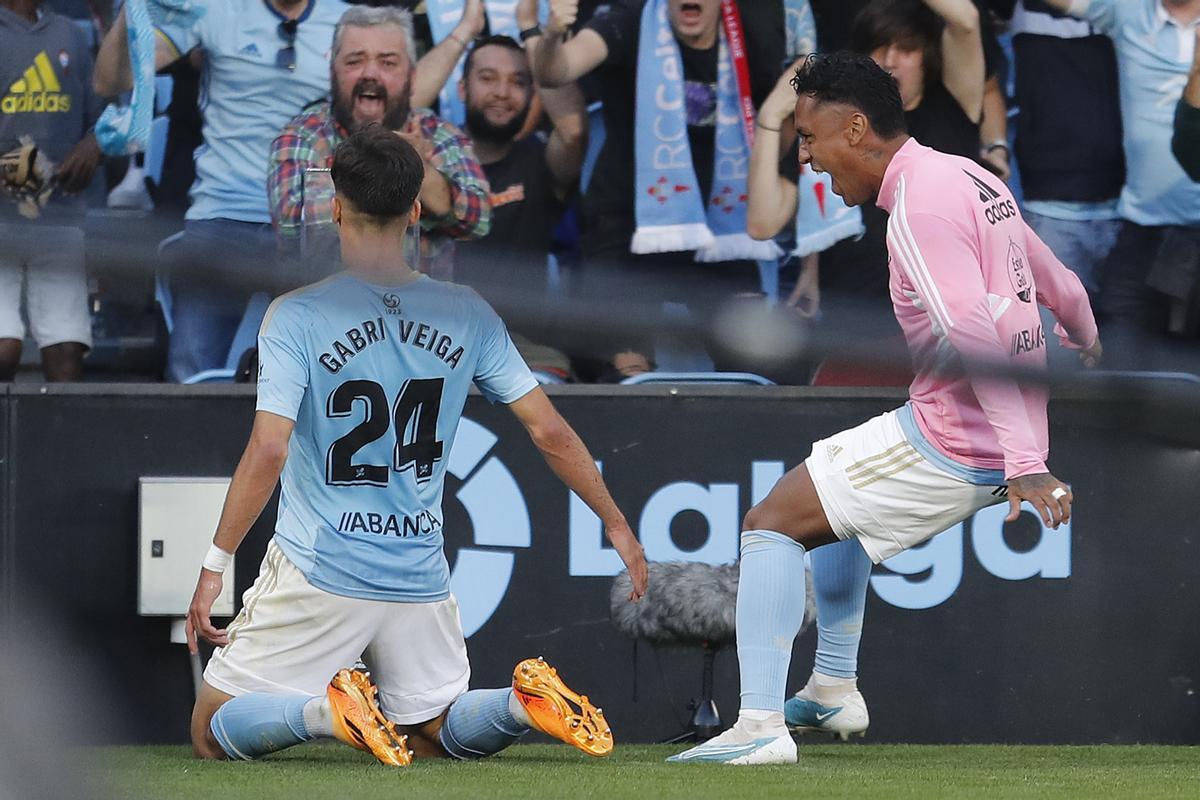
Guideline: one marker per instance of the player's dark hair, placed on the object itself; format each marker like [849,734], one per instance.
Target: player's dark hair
[909,24]
[378,172]
[855,80]
[487,41]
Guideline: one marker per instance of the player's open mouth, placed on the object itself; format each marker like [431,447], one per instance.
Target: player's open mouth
[690,13]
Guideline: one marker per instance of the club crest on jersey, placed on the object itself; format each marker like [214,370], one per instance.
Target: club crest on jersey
[997,209]
[392,302]
[1018,272]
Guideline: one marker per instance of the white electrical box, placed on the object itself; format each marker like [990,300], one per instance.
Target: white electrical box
[176,521]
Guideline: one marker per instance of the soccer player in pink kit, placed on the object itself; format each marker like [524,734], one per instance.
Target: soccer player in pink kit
[966,277]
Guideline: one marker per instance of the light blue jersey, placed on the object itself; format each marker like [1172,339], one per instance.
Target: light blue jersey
[375,378]
[247,95]
[1154,54]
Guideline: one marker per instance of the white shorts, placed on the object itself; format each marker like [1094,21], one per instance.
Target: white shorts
[292,637]
[875,486]
[50,261]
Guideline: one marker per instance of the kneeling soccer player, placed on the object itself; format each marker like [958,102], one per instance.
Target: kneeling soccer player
[362,382]
[967,276]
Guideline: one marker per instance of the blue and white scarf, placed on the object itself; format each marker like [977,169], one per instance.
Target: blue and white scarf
[800,29]
[822,218]
[671,214]
[444,15]
[123,130]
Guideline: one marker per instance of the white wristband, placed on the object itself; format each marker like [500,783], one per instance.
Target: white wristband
[217,560]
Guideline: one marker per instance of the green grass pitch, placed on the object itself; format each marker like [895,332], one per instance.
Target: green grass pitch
[533,772]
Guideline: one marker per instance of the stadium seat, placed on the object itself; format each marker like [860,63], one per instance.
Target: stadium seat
[164,87]
[744,378]
[546,378]
[156,149]
[1133,374]
[245,338]
[596,137]
[162,287]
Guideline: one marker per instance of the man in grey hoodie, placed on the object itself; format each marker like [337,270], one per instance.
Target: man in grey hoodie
[46,98]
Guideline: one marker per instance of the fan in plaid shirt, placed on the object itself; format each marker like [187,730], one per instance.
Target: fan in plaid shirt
[372,78]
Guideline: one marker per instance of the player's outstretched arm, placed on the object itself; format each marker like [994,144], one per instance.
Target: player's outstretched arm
[253,483]
[567,455]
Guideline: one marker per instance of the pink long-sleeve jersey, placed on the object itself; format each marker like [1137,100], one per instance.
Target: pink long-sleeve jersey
[967,275]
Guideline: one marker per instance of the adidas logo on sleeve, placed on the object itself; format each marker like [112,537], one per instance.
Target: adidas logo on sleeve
[997,207]
[37,91]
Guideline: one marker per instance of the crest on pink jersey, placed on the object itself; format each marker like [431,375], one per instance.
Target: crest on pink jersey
[1018,272]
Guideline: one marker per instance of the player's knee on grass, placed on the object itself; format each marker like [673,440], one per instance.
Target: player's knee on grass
[204,743]
[424,739]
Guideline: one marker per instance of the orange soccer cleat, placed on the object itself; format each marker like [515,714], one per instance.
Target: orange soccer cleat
[358,722]
[551,706]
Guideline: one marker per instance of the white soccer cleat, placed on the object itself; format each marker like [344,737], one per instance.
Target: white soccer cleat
[843,716]
[741,748]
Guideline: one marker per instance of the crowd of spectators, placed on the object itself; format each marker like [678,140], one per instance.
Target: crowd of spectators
[612,176]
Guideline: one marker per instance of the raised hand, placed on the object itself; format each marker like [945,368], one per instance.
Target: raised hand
[526,14]
[563,14]
[474,18]
[781,102]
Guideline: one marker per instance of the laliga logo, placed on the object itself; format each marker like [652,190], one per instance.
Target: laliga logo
[923,577]
[499,518]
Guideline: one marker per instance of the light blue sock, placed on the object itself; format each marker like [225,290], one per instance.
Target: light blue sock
[770,610]
[840,574]
[253,725]
[481,723]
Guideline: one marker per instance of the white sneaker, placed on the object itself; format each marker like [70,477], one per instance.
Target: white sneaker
[740,747]
[131,192]
[818,709]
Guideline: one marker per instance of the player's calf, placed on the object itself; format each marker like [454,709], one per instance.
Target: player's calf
[204,743]
[252,725]
[485,721]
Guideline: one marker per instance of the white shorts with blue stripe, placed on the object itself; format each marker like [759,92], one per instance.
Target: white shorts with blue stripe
[291,637]
[890,490]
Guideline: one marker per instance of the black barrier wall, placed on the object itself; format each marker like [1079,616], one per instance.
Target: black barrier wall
[987,634]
